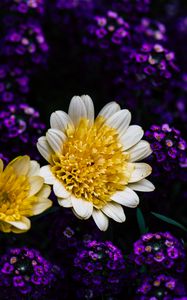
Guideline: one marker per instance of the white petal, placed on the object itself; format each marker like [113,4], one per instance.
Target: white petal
[141,171]
[82,207]
[41,206]
[34,168]
[44,192]
[100,219]
[114,211]
[127,198]
[77,110]
[109,110]
[89,107]
[56,139]
[143,185]
[120,121]
[36,183]
[76,214]
[23,224]
[60,191]
[61,121]
[44,148]
[20,164]
[48,176]
[140,151]
[132,136]
[65,202]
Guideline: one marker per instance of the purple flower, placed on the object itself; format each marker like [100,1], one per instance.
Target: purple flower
[152,60]
[169,149]
[26,44]
[7,268]
[108,31]
[153,287]
[158,251]
[14,83]
[24,7]
[102,265]
[20,128]
[28,272]
[138,248]
[172,252]
[89,267]
[159,136]
[156,146]
[141,58]
[18,281]
[39,270]
[172,153]
[151,29]
[159,257]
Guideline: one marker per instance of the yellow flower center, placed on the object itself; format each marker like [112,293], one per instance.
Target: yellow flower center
[14,197]
[92,164]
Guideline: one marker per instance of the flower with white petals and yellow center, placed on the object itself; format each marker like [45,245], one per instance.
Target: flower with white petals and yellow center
[22,194]
[92,163]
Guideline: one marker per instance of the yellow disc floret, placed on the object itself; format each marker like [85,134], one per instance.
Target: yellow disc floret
[92,164]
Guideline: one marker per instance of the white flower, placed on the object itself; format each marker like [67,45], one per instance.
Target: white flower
[94,165]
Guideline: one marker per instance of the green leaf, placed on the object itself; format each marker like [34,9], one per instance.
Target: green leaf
[169,220]
[141,221]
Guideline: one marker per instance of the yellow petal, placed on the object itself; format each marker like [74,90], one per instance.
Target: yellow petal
[41,206]
[36,183]
[20,165]
[1,165]
[23,224]
[44,192]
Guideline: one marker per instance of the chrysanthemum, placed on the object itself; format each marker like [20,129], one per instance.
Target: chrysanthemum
[22,194]
[93,164]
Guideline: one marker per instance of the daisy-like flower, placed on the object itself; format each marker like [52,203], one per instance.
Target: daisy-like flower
[22,194]
[93,164]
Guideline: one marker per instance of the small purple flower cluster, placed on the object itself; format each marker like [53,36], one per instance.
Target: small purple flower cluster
[24,6]
[23,46]
[132,53]
[26,42]
[20,127]
[23,43]
[100,267]
[159,251]
[169,148]
[151,29]
[107,31]
[160,287]
[143,71]
[154,62]
[14,83]
[26,272]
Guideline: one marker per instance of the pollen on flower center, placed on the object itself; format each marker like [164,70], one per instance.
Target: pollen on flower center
[13,195]
[92,164]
